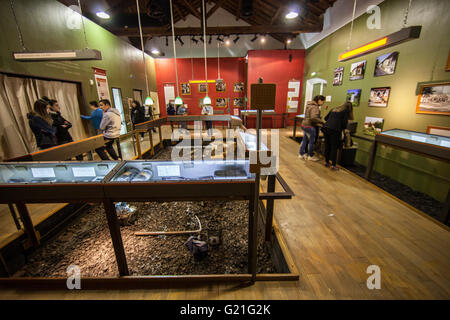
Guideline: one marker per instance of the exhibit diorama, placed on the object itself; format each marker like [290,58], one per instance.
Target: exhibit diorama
[238,150]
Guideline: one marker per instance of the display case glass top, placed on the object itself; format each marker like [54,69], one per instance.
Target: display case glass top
[55,172]
[250,141]
[160,171]
[430,139]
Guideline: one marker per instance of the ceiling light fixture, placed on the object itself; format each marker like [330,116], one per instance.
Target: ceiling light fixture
[194,40]
[263,39]
[289,40]
[292,15]
[178,100]
[237,39]
[210,39]
[167,41]
[155,52]
[219,38]
[102,14]
[181,41]
[227,42]
[143,48]
[254,38]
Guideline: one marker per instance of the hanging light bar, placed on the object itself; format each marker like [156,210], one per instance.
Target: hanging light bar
[393,39]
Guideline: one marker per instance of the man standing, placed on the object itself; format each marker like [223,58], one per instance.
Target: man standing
[110,126]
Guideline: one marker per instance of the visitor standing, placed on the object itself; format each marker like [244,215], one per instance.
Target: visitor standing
[95,117]
[41,123]
[137,115]
[310,128]
[110,126]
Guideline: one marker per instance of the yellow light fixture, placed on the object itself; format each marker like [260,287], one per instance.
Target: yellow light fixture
[395,38]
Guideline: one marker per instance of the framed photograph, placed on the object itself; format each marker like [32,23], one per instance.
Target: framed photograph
[221,86]
[385,64]
[338,76]
[185,88]
[238,102]
[373,125]
[434,99]
[221,102]
[238,87]
[379,97]
[354,96]
[202,87]
[357,70]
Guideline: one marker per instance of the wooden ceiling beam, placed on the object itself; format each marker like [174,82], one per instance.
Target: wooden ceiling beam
[192,9]
[260,29]
[276,15]
[214,9]
[180,14]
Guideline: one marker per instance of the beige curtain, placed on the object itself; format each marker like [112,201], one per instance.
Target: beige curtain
[66,95]
[17,97]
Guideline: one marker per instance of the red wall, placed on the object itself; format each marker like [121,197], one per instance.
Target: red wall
[274,67]
[231,71]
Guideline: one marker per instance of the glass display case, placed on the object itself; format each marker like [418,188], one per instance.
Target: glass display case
[55,172]
[159,171]
[250,141]
[432,139]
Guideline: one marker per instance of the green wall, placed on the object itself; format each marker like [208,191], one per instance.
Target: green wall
[45,26]
[419,60]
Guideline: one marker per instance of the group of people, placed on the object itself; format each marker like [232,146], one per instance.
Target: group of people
[333,126]
[181,109]
[51,129]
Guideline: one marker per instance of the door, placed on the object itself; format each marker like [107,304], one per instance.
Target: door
[117,96]
[137,95]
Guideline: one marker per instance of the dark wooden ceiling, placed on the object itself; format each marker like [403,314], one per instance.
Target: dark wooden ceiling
[263,16]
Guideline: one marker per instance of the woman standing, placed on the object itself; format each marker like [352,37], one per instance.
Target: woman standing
[137,115]
[336,122]
[40,123]
[310,128]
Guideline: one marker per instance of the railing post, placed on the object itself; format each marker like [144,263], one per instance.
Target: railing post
[269,207]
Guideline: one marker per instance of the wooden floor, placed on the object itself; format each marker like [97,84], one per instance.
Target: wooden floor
[335,227]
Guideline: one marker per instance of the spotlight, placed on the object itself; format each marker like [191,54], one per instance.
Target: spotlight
[237,39]
[292,15]
[263,39]
[289,40]
[181,41]
[219,39]
[201,39]
[167,41]
[227,42]
[195,40]
[155,52]
[256,37]
[102,15]
[210,39]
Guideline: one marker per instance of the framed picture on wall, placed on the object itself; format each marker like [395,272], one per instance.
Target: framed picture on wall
[202,87]
[238,87]
[385,64]
[354,96]
[221,86]
[357,70]
[238,102]
[338,76]
[379,97]
[221,102]
[434,99]
[373,125]
[185,88]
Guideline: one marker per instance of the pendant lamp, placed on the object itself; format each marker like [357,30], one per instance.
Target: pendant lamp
[206,100]
[178,99]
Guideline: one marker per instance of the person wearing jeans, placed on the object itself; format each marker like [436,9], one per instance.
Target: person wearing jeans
[309,126]
[110,125]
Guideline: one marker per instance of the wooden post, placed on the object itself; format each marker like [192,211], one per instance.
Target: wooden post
[14,216]
[270,204]
[160,137]
[116,237]
[150,135]
[138,145]
[27,223]
[373,153]
[445,214]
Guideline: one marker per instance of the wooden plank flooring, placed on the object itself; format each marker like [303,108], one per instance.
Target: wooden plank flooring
[335,227]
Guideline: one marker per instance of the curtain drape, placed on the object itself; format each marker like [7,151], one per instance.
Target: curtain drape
[17,97]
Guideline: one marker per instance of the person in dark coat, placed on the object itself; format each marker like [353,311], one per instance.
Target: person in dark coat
[336,122]
[41,123]
[137,114]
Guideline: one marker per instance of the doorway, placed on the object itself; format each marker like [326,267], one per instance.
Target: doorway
[314,87]
[117,96]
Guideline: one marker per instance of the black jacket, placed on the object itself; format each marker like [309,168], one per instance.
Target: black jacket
[137,115]
[62,133]
[44,133]
[337,121]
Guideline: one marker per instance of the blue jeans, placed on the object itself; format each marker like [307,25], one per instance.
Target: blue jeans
[309,137]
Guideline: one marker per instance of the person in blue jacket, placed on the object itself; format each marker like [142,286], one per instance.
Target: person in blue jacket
[95,117]
[41,123]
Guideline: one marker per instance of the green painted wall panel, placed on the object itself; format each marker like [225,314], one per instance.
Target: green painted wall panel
[45,25]
[419,60]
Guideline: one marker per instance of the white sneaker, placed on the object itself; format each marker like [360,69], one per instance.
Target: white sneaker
[303,157]
[313,158]
[142,138]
